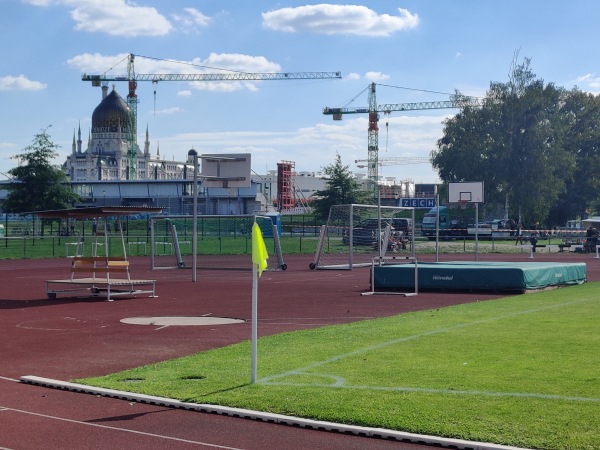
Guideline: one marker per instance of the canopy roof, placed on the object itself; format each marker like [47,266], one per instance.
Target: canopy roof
[592,221]
[97,211]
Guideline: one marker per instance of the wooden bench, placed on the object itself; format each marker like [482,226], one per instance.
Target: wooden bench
[100,276]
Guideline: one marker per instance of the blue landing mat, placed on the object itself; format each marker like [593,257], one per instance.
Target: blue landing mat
[482,276]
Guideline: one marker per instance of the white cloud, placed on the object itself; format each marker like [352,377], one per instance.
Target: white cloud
[224,86]
[590,80]
[169,111]
[20,83]
[376,76]
[353,76]
[185,93]
[95,63]
[314,147]
[215,63]
[125,17]
[338,19]
[238,61]
[585,78]
[190,19]
[113,17]
[39,2]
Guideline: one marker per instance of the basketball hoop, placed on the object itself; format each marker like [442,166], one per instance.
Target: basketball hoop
[463,204]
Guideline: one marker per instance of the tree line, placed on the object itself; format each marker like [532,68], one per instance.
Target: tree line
[536,147]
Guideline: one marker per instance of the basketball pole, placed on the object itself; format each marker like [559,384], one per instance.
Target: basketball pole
[476,231]
[193,158]
[437,226]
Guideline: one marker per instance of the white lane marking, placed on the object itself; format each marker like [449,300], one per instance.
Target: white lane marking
[142,433]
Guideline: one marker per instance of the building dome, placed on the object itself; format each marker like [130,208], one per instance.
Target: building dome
[111,115]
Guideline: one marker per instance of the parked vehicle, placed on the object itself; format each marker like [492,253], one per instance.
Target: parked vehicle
[365,233]
[449,227]
[574,224]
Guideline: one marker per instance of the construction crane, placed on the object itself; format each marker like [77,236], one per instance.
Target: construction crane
[373,110]
[132,78]
[395,161]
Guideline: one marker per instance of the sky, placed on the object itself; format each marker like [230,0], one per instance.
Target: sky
[413,50]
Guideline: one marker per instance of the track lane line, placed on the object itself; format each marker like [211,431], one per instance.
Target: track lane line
[125,430]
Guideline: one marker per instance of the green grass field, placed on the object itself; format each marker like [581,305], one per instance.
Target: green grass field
[521,371]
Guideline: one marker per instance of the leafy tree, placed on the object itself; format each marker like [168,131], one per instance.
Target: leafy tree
[583,142]
[341,189]
[38,185]
[515,143]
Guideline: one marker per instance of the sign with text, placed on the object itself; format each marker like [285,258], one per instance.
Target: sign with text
[419,203]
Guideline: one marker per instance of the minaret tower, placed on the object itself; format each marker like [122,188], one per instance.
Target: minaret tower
[147,143]
[79,139]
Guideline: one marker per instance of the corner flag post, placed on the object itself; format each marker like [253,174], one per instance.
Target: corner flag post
[259,263]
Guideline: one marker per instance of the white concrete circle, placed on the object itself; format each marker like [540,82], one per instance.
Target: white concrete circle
[179,321]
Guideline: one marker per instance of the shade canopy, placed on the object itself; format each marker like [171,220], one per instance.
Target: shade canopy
[96,211]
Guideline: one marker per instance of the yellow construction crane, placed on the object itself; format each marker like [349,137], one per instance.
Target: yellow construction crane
[229,75]
[373,110]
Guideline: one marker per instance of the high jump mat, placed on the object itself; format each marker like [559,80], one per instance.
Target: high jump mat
[480,276]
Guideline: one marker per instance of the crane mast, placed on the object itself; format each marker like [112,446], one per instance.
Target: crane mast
[373,141]
[373,110]
[132,100]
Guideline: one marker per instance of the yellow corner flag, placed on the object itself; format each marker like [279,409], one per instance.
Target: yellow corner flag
[259,249]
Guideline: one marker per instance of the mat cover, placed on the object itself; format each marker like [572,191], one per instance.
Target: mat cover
[464,275]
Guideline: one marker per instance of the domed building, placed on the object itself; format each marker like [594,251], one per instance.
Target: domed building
[106,156]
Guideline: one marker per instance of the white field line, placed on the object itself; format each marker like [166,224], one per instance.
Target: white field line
[340,382]
[8,379]
[126,430]
[434,391]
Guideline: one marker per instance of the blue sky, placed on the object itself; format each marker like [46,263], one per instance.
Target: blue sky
[407,47]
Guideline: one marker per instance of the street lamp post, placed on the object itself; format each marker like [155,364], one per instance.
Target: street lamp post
[193,158]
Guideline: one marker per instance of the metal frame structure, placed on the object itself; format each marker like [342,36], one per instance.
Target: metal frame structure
[457,101]
[132,78]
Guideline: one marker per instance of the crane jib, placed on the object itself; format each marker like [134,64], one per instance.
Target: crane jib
[443,104]
[224,75]
[238,76]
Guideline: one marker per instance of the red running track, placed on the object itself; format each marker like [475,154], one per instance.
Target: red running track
[79,337]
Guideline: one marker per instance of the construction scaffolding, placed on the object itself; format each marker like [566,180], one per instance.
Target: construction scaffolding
[286,197]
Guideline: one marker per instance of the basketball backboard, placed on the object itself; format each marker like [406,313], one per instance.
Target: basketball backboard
[470,192]
[226,170]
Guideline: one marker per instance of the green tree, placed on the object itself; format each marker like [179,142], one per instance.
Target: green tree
[38,185]
[341,189]
[583,142]
[515,143]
